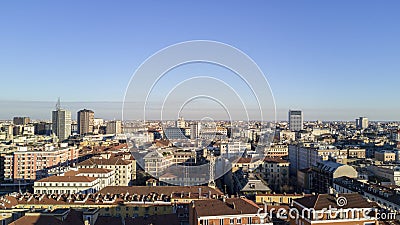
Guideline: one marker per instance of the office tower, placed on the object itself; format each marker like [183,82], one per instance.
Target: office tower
[195,130]
[85,121]
[21,120]
[295,120]
[114,127]
[180,123]
[61,120]
[362,123]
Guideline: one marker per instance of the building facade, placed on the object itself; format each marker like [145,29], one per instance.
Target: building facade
[295,120]
[61,123]
[25,164]
[85,121]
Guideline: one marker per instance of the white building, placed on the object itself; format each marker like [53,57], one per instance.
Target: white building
[106,176]
[67,185]
[235,148]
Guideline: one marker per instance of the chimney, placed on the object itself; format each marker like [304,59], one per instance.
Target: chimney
[199,192]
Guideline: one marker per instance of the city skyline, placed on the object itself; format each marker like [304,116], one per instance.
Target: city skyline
[323,58]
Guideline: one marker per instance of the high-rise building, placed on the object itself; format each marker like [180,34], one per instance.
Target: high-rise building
[114,127]
[295,120]
[85,121]
[21,120]
[362,123]
[180,123]
[61,122]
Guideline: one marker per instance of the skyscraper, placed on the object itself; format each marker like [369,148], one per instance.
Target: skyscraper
[114,127]
[295,120]
[61,122]
[362,123]
[21,120]
[85,121]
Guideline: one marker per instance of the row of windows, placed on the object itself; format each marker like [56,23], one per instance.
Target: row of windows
[231,221]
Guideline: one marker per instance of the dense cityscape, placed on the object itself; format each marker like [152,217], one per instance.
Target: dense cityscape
[205,112]
[127,172]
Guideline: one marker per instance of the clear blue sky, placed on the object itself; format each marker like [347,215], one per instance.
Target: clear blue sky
[336,60]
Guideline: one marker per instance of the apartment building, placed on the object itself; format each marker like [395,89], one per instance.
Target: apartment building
[390,172]
[324,174]
[313,210]
[67,185]
[386,197]
[385,156]
[106,176]
[124,170]
[306,155]
[225,212]
[275,172]
[278,199]
[277,150]
[31,164]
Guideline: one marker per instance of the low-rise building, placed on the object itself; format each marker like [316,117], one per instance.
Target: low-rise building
[385,156]
[277,199]
[314,210]
[106,176]
[33,164]
[388,198]
[275,172]
[67,185]
[325,173]
[124,171]
[225,212]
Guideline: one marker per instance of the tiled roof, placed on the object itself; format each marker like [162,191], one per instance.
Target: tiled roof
[275,160]
[37,220]
[103,161]
[108,220]
[67,179]
[322,201]
[170,219]
[232,206]
[166,190]
[93,170]
[244,160]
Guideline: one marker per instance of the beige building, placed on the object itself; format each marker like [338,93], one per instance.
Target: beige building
[125,171]
[385,156]
[277,199]
[390,172]
[275,172]
[277,150]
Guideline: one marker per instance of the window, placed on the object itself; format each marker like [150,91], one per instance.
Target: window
[231,221]
[239,220]
[221,221]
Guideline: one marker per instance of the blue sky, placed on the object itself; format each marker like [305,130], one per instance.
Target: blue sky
[336,60]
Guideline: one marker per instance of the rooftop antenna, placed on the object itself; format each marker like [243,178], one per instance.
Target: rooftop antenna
[58,105]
